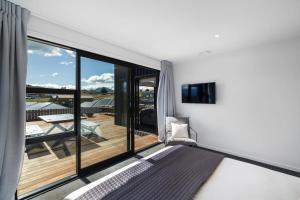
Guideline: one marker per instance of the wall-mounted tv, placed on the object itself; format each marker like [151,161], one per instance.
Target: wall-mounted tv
[199,93]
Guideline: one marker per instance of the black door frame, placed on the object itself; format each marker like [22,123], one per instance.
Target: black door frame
[136,91]
[76,133]
[136,100]
[83,171]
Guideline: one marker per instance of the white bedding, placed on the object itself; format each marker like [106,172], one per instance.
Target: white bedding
[243,181]
[232,180]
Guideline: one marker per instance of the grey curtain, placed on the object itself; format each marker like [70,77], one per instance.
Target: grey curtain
[165,97]
[13,61]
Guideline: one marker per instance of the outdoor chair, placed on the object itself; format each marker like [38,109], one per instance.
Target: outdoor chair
[89,127]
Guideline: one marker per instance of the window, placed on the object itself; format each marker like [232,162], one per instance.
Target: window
[78,113]
[50,66]
[104,105]
[50,153]
[145,115]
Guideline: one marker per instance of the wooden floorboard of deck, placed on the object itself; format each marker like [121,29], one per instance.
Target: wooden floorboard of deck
[50,164]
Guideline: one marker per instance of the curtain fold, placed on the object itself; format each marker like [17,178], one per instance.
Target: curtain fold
[13,64]
[165,97]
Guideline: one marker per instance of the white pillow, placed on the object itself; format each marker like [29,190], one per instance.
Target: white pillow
[179,130]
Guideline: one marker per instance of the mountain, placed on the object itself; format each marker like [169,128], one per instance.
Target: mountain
[104,90]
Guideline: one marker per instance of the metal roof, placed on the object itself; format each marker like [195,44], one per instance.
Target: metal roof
[68,96]
[106,102]
[43,106]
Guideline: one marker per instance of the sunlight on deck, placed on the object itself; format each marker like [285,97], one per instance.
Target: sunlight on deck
[50,161]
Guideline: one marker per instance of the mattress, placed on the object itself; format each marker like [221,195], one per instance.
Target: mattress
[231,180]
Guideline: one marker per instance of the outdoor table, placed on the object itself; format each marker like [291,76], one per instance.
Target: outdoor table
[56,121]
[33,131]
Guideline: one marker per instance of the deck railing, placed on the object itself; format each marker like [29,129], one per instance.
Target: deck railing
[33,115]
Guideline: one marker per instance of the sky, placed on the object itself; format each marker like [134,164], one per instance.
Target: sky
[54,67]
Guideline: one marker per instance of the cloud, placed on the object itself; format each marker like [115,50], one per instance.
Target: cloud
[66,63]
[70,86]
[52,85]
[42,49]
[70,53]
[97,85]
[103,78]
[54,74]
[97,81]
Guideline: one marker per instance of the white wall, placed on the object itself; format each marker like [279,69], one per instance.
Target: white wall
[257,114]
[51,31]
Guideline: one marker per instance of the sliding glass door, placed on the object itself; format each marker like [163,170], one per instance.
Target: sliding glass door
[105,120]
[145,112]
[50,150]
[83,110]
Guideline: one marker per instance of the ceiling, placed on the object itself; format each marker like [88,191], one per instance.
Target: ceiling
[175,29]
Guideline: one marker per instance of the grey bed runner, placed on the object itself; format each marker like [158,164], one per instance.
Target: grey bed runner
[174,174]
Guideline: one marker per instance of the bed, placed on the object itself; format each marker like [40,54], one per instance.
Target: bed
[230,180]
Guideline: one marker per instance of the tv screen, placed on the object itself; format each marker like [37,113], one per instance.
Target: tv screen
[199,93]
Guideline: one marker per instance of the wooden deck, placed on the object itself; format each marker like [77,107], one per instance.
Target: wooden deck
[51,161]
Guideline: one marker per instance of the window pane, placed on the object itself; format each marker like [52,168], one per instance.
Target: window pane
[104,106]
[146,117]
[50,153]
[50,66]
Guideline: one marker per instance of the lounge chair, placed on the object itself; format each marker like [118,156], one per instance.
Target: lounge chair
[174,141]
[89,127]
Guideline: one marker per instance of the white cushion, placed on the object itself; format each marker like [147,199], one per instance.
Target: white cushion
[169,121]
[179,131]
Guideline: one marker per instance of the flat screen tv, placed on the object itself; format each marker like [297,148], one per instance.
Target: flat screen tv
[199,93]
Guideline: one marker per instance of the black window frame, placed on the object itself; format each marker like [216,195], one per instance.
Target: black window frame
[77,112]
[39,90]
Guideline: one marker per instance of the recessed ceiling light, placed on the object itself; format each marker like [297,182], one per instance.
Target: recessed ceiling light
[205,52]
[216,35]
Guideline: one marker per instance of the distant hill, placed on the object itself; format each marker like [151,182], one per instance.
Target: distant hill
[100,90]
[104,90]
[31,86]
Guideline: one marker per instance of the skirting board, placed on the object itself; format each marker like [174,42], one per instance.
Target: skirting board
[294,171]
